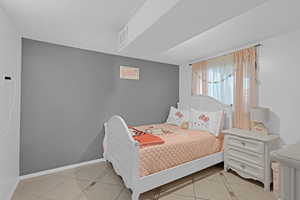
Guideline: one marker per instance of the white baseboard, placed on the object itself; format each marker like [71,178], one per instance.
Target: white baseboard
[11,192]
[51,171]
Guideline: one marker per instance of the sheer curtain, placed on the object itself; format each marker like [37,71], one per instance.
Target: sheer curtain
[245,86]
[231,79]
[214,78]
[220,78]
[199,78]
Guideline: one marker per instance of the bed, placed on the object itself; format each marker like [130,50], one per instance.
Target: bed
[142,171]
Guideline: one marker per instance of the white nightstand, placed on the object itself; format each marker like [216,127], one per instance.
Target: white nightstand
[248,154]
[289,162]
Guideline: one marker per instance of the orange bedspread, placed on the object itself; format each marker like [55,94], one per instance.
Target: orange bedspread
[180,146]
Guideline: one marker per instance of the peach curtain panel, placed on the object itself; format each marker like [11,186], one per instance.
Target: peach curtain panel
[245,86]
[199,78]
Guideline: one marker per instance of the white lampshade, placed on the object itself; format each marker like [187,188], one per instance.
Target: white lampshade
[259,114]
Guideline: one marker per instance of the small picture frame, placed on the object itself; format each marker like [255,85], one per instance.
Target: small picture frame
[131,73]
[259,127]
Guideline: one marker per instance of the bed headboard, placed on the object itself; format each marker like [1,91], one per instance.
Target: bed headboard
[208,104]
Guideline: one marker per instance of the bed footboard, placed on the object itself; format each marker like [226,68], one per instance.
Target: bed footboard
[122,151]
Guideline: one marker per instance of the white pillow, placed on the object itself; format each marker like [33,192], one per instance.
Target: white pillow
[207,121]
[178,117]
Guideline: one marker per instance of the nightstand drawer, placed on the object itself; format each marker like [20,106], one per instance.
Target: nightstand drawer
[248,154]
[246,144]
[254,158]
[247,170]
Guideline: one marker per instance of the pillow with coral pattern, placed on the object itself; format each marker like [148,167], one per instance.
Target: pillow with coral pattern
[178,117]
[207,121]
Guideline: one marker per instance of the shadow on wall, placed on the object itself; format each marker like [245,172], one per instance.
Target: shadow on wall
[274,124]
[95,149]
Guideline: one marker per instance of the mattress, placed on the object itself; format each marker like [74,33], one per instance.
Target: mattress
[180,146]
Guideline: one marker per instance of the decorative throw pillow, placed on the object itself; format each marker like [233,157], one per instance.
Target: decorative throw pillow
[178,117]
[207,121]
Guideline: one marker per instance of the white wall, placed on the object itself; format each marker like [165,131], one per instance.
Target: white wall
[280,80]
[279,85]
[10,64]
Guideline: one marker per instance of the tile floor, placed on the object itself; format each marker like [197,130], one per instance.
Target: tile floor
[99,182]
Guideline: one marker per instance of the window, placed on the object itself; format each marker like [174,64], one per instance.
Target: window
[231,79]
[214,78]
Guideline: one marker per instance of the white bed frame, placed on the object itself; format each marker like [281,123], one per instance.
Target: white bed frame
[123,151]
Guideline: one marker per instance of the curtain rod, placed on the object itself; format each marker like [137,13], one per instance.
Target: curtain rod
[257,45]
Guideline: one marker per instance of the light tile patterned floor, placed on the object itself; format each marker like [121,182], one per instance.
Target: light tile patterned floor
[99,182]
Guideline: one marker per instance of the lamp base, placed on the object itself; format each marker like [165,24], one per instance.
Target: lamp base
[259,127]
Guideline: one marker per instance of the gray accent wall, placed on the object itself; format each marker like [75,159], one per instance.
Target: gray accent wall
[68,94]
